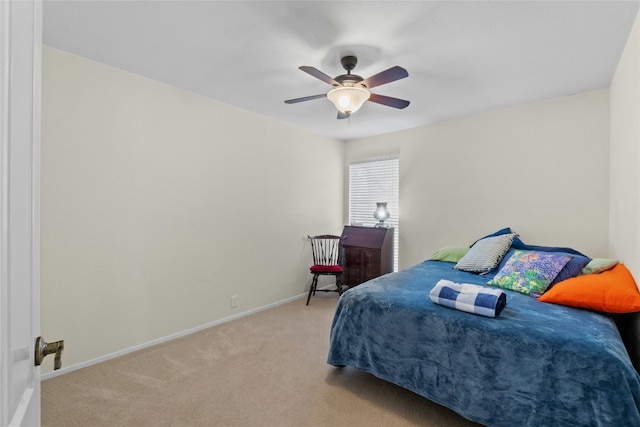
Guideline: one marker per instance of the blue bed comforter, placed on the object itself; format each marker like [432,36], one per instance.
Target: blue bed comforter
[536,364]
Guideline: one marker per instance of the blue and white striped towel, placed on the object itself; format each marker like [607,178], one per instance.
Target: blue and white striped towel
[470,298]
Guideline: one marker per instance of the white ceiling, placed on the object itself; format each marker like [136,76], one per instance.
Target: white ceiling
[462,57]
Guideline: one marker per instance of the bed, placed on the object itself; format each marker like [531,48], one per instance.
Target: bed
[535,364]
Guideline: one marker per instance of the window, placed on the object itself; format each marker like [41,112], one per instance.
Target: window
[372,182]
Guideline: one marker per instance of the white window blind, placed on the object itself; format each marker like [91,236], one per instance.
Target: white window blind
[372,182]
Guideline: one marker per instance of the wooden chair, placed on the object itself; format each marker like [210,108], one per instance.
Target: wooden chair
[325,250]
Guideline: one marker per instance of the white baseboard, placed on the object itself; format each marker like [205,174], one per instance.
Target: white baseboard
[66,370]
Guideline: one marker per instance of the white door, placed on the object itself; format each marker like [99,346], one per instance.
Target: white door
[20,62]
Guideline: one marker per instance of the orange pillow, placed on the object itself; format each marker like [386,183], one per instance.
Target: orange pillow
[612,291]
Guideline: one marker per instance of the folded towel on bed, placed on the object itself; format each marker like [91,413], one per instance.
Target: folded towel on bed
[470,298]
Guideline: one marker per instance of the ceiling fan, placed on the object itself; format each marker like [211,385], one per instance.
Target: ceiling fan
[350,91]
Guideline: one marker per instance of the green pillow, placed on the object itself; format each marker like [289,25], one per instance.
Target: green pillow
[598,265]
[449,254]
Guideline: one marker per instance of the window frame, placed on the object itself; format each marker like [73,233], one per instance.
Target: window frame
[381,184]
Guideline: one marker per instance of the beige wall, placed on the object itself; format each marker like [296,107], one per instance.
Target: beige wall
[158,205]
[542,169]
[625,156]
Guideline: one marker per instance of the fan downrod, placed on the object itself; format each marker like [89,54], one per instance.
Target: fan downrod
[349,63]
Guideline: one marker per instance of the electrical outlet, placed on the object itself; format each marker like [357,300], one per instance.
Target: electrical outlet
[234,301]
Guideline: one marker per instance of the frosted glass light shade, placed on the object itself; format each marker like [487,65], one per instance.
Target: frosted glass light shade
[381,213]
[348,99]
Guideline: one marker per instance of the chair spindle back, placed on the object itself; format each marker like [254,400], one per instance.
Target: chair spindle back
[325,249]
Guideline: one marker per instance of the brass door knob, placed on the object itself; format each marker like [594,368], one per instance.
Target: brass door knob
[43,349]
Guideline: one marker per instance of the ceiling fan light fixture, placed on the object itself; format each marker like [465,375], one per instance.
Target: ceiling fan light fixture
[348,99]
[350,91]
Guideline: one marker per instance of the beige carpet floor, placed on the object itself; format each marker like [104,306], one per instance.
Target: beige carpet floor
[266,369]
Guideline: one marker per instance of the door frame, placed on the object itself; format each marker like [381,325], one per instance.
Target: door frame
[20,150]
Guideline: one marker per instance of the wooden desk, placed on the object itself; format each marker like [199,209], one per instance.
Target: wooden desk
[367,252]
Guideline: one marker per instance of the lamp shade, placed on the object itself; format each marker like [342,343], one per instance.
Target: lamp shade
[348,99]
[381,213]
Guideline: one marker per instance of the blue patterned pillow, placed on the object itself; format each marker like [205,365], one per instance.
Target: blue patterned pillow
[529,272]
[485,255]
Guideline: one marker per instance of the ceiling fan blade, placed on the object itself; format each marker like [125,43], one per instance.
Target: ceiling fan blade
[389,101]
[342,115]
[319,75]
[305,98]
[386,76]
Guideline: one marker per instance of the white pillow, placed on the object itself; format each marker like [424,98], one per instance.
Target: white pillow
[486,254]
